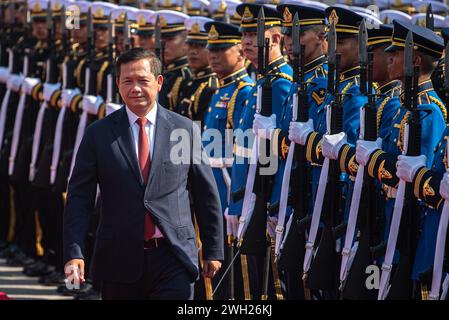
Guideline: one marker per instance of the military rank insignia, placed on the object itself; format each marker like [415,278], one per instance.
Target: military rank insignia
[318,96]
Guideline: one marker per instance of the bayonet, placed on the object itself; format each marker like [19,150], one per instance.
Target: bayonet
[429,18]
[157,38]
[260,41]
[363,56]
[126,39]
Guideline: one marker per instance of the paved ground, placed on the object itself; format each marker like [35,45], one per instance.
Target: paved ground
[20,287]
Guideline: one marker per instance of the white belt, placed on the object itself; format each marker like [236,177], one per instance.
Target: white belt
[57,140]
[3,114]
[221,162]
[16,134]
[37,139]
[352,220]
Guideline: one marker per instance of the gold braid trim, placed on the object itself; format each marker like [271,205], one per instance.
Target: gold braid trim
[418,179]
[231,104]
[346,88]
[440,105]
[78,72]
[100,74]
[101,111]
[173,98]
[381,110]
[196,96]
[401,131]
[344,154]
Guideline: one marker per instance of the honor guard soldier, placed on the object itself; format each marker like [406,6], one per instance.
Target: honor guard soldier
[428,48]
[171,5]
[278,74]
[345,97]
[311,23]
[145,29]
[173,56]
[197,8]
[198,90]
[386,103]
[124,42]
[17,38]
[223,114]
[225,11]
[49,204]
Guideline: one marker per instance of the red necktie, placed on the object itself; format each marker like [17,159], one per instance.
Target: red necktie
[145,164]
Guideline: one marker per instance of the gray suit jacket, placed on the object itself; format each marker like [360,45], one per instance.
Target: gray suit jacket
[107,157]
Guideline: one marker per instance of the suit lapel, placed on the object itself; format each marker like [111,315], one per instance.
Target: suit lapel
[125,140]
[161,142]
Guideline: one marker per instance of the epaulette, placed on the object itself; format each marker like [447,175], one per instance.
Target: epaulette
[231,105]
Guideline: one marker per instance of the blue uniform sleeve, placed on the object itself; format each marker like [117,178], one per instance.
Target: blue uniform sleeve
[432,126]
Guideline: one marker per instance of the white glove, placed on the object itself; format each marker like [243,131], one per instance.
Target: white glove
[92,103]
[364,149]
[112,107]
[232,223]
[49,89]
[4,74]
[408,166]
[272,222]
[299,131]
[14,82]
[67,96]
[263,127]
[28,84]
[332,143]
[444,186]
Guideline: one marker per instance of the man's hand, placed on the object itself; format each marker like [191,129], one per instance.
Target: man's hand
[210,268]
[74,270]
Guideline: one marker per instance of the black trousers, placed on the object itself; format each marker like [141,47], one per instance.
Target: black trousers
[163,278]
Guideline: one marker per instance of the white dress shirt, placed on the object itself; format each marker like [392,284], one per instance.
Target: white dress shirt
[150,127]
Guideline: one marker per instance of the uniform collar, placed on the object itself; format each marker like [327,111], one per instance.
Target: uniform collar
[204,73]
[239,74]
[390,87]
[425,86]
[274,66]
[350,73]
[177,64]
[312,65]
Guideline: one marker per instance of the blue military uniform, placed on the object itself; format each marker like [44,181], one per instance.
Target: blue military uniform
[226,105]
[382,164]
[315,76]
[281,76]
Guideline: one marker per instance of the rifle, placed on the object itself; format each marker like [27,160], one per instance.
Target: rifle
[157,39]
[363,205]
[405,220]
[292,254]
[126,38]
[320,273]
[90,57]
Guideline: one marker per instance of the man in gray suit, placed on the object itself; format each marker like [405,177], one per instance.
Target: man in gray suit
[145,244]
